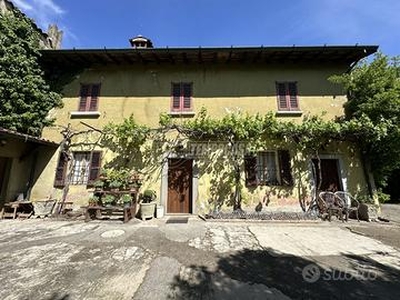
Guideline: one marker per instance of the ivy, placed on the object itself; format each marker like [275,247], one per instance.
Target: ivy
[25,96]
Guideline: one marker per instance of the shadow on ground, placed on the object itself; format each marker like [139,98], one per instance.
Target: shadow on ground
[364,278]
[58,296]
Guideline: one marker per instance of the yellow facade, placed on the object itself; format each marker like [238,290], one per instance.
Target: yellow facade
[145,91]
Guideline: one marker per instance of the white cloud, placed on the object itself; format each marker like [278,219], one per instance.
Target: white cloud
[22,5]
[44,12]
[49,6]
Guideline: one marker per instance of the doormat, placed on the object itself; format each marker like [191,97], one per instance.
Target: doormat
[177,220]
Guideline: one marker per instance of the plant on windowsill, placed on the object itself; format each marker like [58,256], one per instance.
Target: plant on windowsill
[147,204]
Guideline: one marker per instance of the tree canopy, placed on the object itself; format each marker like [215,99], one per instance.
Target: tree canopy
[25,96]
[373,90]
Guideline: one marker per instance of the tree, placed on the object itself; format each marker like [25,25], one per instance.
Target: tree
[25,96]
[373,90]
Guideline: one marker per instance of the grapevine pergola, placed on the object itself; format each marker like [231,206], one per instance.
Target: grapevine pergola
[309,136]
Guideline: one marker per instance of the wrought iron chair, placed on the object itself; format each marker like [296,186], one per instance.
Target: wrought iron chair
[350,204]
[330,204]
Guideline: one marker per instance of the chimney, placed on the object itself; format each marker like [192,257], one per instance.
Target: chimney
[141,42]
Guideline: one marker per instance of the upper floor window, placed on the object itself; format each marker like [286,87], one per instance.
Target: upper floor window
[182,93]
[89,97]
[268,168]
[288,99]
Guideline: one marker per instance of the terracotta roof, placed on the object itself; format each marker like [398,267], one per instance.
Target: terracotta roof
[27,137]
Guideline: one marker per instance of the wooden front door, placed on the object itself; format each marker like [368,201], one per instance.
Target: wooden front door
[329,173]
[179,185]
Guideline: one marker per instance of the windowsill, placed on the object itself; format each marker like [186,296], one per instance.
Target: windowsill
[289,113]
[85,114]
[181,113]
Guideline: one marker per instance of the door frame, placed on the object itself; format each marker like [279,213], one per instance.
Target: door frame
[341,170]
[164,181]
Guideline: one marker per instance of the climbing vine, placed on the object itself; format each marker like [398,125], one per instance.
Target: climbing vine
[128,139]
[309,136]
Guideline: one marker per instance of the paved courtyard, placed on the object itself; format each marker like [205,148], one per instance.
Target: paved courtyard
[51,259]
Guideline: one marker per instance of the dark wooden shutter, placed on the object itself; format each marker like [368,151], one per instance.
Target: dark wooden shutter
[293,96]
[94,99]
[250,166]
[187,95]
[285,167]
[176,96]
[84,94]
[61,170]
[282,98]
[94,170]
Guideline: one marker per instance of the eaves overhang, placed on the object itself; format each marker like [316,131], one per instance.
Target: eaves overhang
[26,137]
[81,58]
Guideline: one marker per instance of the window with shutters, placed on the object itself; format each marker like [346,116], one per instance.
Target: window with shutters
[89,97]
[268,168]
[287,95]
[85,168]
[181,96]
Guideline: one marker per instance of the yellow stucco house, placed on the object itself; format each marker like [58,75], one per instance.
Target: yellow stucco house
[111,84]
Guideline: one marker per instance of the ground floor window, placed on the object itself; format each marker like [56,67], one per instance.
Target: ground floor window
[80,169]
[268,168]
[85,168]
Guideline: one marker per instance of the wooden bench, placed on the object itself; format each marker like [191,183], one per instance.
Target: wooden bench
[63,207]
[17,209]
[94,212]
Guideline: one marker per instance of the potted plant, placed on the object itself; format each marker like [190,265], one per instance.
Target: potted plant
[115,184]
[147,204]
[103,176]
[134,182]
[109,200]
[126,200]
[93,201]
[98,185]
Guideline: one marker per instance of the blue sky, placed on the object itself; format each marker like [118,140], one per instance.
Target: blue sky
[179,23]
